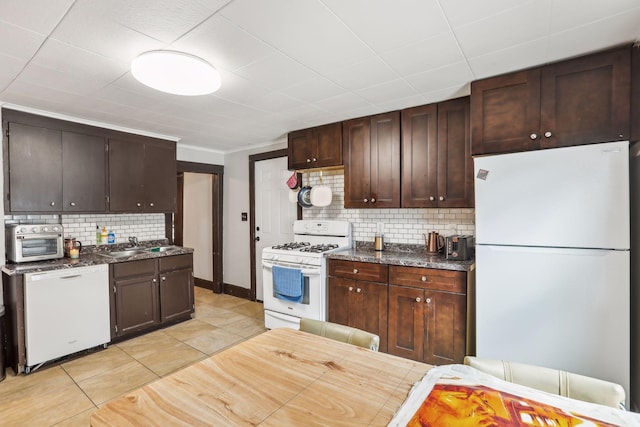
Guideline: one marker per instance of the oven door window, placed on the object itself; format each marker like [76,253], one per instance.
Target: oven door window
[305,292]
[39,246]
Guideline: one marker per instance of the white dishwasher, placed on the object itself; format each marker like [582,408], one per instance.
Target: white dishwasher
[65,311]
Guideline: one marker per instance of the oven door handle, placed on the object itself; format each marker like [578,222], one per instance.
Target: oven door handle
[306,272]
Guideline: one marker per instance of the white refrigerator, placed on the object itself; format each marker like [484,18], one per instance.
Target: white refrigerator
[552,259]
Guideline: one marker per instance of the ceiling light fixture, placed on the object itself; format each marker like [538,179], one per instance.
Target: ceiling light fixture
[176,72]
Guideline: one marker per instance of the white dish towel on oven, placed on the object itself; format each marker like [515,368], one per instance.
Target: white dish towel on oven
[288,283]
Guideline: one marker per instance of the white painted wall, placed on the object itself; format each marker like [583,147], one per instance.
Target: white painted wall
[197,228]
[188,153]
[236,249]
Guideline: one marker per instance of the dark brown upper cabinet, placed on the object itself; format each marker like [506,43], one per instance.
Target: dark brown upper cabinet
[371,147]
[55,171]
[142,176]
[315,147]
[579,101]
[84,173]
[437,167]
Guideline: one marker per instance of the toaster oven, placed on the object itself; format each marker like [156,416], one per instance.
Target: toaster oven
[33,242]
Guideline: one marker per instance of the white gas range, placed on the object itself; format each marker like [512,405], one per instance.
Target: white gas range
[305,256]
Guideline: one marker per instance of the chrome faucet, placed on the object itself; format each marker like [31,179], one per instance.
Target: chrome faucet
[133,240]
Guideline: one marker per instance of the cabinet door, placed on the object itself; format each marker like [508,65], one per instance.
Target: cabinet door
[420,157]
[357,159]
[385,161]
[300,149]
[160,172]
[126,176]
[136,304]
[371,309]
[406,322]
[176,295]
[445,327]
[586,99]
[506,113]
[328,145]
[84,163]
[340,300]
[455,164]
[35,174]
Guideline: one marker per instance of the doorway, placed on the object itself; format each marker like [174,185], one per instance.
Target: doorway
[200,206]
[271,212]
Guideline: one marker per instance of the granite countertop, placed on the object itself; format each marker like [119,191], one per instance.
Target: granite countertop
[406,255]
[95,255]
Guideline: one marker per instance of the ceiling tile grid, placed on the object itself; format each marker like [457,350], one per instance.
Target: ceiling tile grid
[285,64]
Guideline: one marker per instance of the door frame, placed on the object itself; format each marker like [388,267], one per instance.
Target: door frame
[217,180]
[252,209]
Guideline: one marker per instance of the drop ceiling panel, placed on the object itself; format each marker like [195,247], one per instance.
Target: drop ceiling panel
[307,31]
[313,89]
[462,12]
[19,42]
[102,36]
[276,71]
[434,52]
[223,44]
[510,59]
[359,75]
[452,75]
[385,24]
[35,15]
[517,25]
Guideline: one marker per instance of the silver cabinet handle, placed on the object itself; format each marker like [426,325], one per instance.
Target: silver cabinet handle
[366,200]
[164,278]
[73,204]
[52,203]
[358,290]
[138,204]
[315,160]
[424,278]
[428,300]
[432,198]
[418,299]
[547,134]
[533,136]
[308,160]
[355,271]
[373,200]
[152,204]
[154,280]
[350,288]
[441,198]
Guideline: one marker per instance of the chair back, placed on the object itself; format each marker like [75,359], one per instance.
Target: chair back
[341,333]
[553,381]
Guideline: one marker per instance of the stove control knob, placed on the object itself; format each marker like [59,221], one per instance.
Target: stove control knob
[35,230]
[56,228]
[45,229]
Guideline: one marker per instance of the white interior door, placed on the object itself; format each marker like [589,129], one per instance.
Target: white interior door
[274,212]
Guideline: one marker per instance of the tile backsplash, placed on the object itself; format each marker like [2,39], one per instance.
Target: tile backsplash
[83,227]
[400,225]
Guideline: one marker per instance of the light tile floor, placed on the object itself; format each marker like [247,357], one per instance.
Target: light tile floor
[67,393]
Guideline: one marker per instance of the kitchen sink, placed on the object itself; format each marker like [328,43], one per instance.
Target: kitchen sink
[163,248]
[123,254]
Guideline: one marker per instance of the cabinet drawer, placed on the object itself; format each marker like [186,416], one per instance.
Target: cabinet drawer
[428,278]
[176,262]
[358,270]
[144,267]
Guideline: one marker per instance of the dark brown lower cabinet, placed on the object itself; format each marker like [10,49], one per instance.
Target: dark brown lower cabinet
[357,303]
[176,287]
[427,314]
[149,293]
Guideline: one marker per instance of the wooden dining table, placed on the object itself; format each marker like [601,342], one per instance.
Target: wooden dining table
[282,377]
